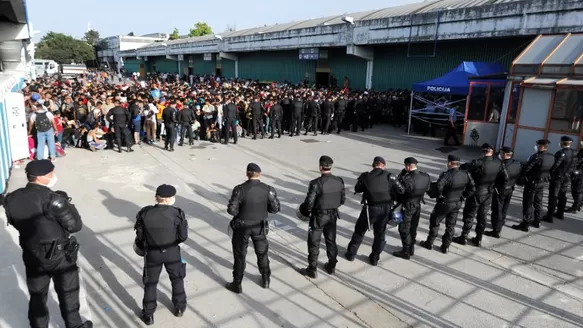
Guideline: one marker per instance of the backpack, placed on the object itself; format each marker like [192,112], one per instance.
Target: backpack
[42,122]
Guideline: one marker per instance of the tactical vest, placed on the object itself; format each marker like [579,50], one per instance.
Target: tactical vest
[253,206]
[488,173]
[542,172]
[330,193]
[421,182]
[377,187]
[459,180]
[159,226]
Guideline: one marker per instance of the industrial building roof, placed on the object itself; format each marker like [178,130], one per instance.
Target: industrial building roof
[554,55]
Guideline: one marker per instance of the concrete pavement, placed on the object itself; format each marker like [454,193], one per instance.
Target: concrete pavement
[522,280]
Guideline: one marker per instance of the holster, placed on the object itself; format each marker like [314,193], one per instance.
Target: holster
[265,227]
[72,250]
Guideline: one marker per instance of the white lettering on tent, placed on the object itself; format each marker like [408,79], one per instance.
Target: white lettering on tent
[438,89]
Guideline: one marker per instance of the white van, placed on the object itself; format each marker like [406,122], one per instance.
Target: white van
[46,66]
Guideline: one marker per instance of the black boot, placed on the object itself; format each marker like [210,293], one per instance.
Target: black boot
[178,313]
[403,254]
[235,287]
[477,241]
[330,269]
[548,218]
[119,149]
[129,149]
[374,261]
[266,281]
[523,226]
[87,324]
[310,274]
[535,224]
[462,240]
[147,319]
[426,244]
[493,234]
[412,249]
[573,209]
[349,256]
[444,248]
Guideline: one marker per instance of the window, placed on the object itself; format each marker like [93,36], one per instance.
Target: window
[567,111]
[495,103]
[514,100]
[477,107]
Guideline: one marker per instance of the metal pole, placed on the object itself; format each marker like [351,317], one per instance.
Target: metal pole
[410,110]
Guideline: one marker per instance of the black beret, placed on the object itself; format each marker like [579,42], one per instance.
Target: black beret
[410,160]
[165,191]
[566,139]
[326,160]
[507,150]
[379,160]
[252,167]
[487,146]
[542,142]
[39,168]
[453,158]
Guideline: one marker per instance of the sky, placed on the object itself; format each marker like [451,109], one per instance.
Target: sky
[120,17]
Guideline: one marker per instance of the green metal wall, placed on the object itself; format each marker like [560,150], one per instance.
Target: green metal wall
[394,70]
[202,67]
[343,65]
[275,66]
[132,64]
[163,65]
[228,68]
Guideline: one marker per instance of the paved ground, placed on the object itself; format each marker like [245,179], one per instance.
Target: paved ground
[522,280]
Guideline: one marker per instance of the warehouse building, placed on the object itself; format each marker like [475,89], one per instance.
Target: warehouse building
[108,49]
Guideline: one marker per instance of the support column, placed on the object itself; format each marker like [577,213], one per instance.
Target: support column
[369,70]
[233,57]
[366,53]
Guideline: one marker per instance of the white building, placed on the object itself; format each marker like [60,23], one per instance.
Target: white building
[108,48]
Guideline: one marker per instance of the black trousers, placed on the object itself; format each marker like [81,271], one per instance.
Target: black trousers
[449,211]
[122,130]
[339,118]
[477,205]
[65,276]
[258,124]
[312,123]
[500,203]
[296,125]
[577,190]
[230,126]
[276,123]
[186,129]
[558,196]
[169,258]
[326,120]
[532,202]
[451,133]
[240,242]
[324,223]
[170,135]
[378,216]
[408,228]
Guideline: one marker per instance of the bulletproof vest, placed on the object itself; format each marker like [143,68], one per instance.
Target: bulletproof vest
[487,174]
[276,110]
[185,115]
[341,105]
[422,181]
[169,115]
[377,187]
[256,108]
[285,103]
[458,180]
[331,192]
[566,166]
[542,172]
[27,211]
[160,225]
[361,106]
[514,170]
[119,115]
[313,108]
[254,201]
[327,108]
[298,107]
[231,111]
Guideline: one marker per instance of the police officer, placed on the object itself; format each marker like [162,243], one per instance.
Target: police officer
[325,195]
[340,110]
[249,205]
[170,119]
[536,174]
[565,161]
[286,105]
[327,111]
[296,121]
[185,118]
[119,118]
[484,172]
[230,115]
[45,220]
[160,229]
[275,117]
[415,184]
[256,118]
[378,187]
[313,112]
[577,184]
[450,189]
[504,187]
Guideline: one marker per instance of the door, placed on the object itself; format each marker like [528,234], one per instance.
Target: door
[218,72]
[5,155]
[142,70]
[322,79]
[17,125]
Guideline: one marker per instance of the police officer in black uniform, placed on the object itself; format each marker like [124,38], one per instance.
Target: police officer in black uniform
[286,105]
[45,220]
[415,184]
[249,205]
[185,118]
[313,112]
[484,172]
[119,118]
[340,111]
[257,118]
[327,111]
[275,117]
[504,187]
[536,173]
[160,229]
[170,119]
[577,184]
[325,195]
[565,161]
[296,120]
[230,115]
[378,187]
[450,190]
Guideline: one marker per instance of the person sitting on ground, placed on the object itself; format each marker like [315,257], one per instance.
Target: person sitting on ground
[212,134]
[94,138]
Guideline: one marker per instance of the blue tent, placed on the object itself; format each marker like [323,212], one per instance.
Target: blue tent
[457,81]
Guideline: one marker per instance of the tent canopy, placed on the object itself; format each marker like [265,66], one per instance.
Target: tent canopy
[457,81]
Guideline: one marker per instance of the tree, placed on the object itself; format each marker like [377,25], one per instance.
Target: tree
[200,29]
[175,35]
[91,37]
[64,49]
[131,34]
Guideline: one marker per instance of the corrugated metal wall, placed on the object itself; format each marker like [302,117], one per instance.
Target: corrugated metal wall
[228,68]
[202,67]
[394,70]
[132,64]
[164,65]
[275,66]
[343,65]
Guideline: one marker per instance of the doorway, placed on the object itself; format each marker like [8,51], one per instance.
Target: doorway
[322,79]
[218,72]
[190,71]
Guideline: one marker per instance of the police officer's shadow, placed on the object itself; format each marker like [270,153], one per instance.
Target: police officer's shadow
[119,207]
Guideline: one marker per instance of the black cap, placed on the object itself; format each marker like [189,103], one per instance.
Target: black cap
[453,158]
[165,191]
[326,161]
[252,167]
[566,139]
[410,160]
[542,142]
[39,168]
[507,150]
[487,146]
[377,159]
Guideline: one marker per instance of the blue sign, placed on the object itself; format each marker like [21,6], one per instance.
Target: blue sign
[309,54]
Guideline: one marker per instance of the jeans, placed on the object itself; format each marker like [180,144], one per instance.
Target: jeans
[42,138]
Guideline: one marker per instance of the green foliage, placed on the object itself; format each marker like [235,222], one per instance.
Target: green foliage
[64,49]
[200,29]
[91,37]
[175,35]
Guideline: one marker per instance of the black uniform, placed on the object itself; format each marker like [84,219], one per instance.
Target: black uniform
[327,111]
[257,119]
[313,112]
[536,173]
[361,108]
[296,121]
[185,118]
[340,110]
[378,187]
[159,231]
[45,219]
[484,172]
[325,195]
[577,184]
[275,117]
[452,187]
[119,118]
[565,161]
[503,193]
[169,117]
[230,115]
[415,184]
[249,205]
[286,104]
